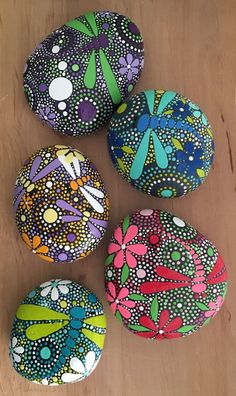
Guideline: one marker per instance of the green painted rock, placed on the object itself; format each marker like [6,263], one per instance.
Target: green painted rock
[58,333]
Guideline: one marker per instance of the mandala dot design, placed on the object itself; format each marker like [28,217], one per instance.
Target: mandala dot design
[58,333]
[61,205]
[77,76]
[161,143]
[163,279]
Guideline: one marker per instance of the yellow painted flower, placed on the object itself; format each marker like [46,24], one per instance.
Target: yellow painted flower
[36,246]
[26,202]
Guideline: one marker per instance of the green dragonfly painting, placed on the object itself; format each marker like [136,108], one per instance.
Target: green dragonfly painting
[51,321]
[99,41]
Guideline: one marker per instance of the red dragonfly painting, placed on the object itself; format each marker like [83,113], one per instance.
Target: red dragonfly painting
[175,280]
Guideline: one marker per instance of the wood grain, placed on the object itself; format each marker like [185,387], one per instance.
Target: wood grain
[190,48]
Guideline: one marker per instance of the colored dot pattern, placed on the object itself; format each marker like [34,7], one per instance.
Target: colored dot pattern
[61,206]
[58,333]
[77,76]
[161,143]
[163,279]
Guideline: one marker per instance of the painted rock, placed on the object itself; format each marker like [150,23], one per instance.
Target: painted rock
[61,205]
[161,143]
[77,76]
[58,333]
[163,278]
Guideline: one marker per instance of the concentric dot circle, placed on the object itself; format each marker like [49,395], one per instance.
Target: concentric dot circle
[163,278]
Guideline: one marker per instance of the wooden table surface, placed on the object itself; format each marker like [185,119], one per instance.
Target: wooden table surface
[190,48]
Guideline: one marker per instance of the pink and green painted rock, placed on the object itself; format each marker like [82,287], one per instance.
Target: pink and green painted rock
[163,278]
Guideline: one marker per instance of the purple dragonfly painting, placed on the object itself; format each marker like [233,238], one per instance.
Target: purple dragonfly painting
[93,224]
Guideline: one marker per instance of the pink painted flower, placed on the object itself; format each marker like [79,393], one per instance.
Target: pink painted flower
[214,307]
[118,302]
[124,249]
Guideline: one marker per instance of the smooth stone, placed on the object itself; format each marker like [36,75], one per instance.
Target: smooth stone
[161,143]
[61,205]
[43,347]
[152,278]
[77,76]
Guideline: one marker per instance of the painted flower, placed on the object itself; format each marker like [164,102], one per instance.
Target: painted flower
[107,14]
[26,202]
[81,370]
[115,143]
[166,328]
[124,249]
[47,116]
[189,159]
[36,246]
[129,66]
[181,109]
[15,351]
[69,154]
[214,307]
[118,302]
[55,287]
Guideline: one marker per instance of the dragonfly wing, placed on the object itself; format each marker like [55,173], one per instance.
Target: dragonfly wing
[65,205]
[170,274]
[18,199]
[94,230]
[98,321]
[35,166]
[140,157]
[77,25]
[160,154]
[91,20]
[94,191]
[157,287]
[90,74]
[48,169]
[97,338]
[77,167]
[37,331]
[150,97]
[110,79]
[67,166]
[70,219]
[36,312]
[166,98]
[92,201]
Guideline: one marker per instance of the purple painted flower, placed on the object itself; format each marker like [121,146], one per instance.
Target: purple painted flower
[107,14]
[129,66]
[47,116]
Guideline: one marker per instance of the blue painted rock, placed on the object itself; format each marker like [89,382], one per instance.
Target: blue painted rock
[58,333]
[163,278]
[61,205]
[161,143]
[78,75]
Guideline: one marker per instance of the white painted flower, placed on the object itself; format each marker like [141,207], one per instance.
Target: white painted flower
[82,370]
[15,351]
[55,287]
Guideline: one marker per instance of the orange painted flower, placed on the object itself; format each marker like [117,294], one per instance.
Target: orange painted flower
[26,202]
[36,246]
